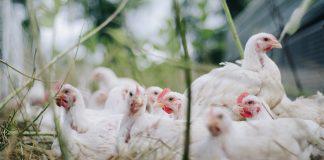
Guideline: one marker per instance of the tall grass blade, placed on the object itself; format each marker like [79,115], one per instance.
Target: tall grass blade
[294,21]
[181,30]
[232,28]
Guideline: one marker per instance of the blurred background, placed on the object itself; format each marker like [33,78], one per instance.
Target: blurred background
[141,42]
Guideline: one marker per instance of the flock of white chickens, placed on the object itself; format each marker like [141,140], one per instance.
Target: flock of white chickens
[239,112]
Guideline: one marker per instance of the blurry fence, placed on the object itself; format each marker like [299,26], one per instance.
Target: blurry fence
[306,47]
[13,46]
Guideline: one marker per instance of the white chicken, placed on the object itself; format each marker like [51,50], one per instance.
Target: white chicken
[284,138]
[254,108]
[72,101]
[310,108]
[107,79]
[152,95]
[258,75]
[98,99]
[172,103]
[154,137]
[85,141]
[119,99]
[142,133]
[117,104]
[318,97]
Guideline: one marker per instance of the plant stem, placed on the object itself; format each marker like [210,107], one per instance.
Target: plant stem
[181,30]
[62,54]
[232,28]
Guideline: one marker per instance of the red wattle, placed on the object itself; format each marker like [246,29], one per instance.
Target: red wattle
[167,109]
[246,113]
[268,48]
[62,102]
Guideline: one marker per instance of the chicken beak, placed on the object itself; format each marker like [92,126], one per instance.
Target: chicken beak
[160,104]
[213,127]
[59,100]
[139,101]
[59,95]
[276,44]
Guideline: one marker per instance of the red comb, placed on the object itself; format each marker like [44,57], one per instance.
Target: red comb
[241,96]
[163,93]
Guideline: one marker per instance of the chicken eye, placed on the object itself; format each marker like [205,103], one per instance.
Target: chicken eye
[66,91]
[156,93]
[250,102]
[171,99]
[266,39]
[131,94]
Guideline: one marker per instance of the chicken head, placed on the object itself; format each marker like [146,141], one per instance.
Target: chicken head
[66,97]
[250,105]
[152,95]
[218,121]
[264,42]
[137,100]
[172,102]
